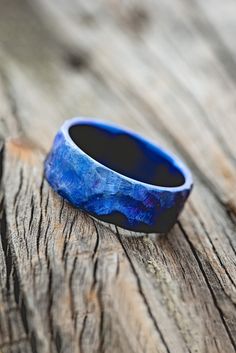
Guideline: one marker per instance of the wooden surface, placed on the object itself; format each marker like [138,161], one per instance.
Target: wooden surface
[166,68]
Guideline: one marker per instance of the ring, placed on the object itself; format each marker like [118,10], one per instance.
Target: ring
[117,176]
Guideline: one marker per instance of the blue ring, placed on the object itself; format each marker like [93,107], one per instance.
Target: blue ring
[117,176]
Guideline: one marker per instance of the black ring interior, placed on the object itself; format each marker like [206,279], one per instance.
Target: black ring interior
[126,155]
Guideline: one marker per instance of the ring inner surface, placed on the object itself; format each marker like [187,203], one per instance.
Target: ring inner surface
[126,155]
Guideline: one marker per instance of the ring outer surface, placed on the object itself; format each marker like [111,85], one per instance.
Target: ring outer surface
[108,195]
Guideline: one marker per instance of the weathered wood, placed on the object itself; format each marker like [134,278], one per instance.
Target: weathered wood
[68,283]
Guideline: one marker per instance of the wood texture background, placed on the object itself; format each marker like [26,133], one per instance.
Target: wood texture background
[167,69]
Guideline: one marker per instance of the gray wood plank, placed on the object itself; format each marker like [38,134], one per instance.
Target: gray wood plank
[67,282]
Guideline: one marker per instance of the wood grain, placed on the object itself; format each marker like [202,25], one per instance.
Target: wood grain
[67,282]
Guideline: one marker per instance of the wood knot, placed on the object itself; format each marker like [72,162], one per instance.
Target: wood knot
[78,60]
[137,19]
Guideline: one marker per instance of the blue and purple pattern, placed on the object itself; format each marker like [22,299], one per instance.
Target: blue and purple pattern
[117,175]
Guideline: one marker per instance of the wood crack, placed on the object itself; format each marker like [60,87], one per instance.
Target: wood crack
[97,287]
[67,237]
[20,300]
[214,248]
[19,187]
[97,241]
[50,303]
[12,277]
[31,212]
[221,314]
[101,322]
[82,333]
[72,305]
[8,256]
[40,222]
[143,295]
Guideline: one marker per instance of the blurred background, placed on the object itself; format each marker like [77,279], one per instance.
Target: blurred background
[165,68]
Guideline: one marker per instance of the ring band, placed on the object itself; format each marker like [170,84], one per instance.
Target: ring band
[117,176]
